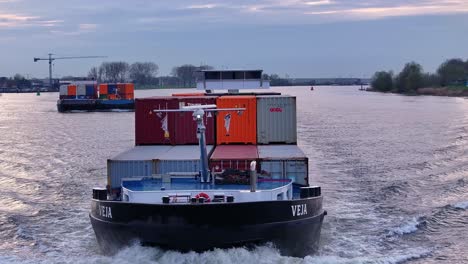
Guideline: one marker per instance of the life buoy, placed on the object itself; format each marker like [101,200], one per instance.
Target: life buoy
[204,195]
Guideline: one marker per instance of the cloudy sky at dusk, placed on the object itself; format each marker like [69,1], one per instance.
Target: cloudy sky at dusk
[315,38]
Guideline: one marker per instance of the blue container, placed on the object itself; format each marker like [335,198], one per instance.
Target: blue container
[111,88]
[90,90]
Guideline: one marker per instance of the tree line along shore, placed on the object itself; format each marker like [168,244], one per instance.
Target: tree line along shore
[143,74]
[450,79]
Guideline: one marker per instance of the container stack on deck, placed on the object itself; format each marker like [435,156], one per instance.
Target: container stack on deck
[96,97]
[264,132]
[112,91]
[80,91]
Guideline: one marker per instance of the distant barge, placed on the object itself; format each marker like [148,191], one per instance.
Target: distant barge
[93,97]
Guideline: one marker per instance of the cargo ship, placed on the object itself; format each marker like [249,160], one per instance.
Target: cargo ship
[94,97]
[211,170]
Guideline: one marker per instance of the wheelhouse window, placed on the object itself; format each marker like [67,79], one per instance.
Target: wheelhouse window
[232,75]
[253,75]
[239,75]
[227,75]
[212,75]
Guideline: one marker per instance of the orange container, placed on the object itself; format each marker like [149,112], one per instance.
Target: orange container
[71,89]
[111,96]
[188,94]
[232,128]
[103,88]
[125,88]
[129,88]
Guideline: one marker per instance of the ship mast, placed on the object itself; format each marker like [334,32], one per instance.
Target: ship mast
[204,171]
[198,114]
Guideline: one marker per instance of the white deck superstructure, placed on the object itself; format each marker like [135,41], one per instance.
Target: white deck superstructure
[152,191]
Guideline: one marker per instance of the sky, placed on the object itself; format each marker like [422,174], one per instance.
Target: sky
[295,38]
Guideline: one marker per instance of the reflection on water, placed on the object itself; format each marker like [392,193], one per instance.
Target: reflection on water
[393,170]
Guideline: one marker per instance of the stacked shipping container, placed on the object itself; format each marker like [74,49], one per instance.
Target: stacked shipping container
[103,91]
[266,120]
[179,159]
[276,119]
[186,127]
[284,162]
[232,127]
[170,128]
[80,91]
[233,157]
[71,90]
[145,161]
[117,91]
[155,128]
[136,162]
[125,90]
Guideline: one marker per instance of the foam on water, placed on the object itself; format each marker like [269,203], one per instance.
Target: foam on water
[408,227]
[259,255]
[395,258]
[461,205]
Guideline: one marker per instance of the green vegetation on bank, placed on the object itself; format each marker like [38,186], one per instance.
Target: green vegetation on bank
[451,79]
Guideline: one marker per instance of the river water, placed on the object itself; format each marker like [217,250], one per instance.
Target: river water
[393,170]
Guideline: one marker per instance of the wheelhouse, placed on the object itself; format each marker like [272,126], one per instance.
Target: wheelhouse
[231,80]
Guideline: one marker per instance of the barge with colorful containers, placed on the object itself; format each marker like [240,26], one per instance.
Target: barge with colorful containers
[94,97]
[211,171]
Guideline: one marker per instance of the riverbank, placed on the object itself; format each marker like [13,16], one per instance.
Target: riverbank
[451,91]
[457,91]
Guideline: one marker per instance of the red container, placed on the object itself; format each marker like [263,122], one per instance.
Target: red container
[233,157]
[186,127]
[155,128]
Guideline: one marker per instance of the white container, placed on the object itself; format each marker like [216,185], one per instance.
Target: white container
[81,89]
[284,162]
[63,90]
[135,162]
[183,158]
[276,119]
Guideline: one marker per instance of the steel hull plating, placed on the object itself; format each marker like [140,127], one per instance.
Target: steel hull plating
[94,105]
[292,225]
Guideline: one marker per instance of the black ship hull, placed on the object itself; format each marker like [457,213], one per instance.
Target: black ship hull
[67,105]
[292,225]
